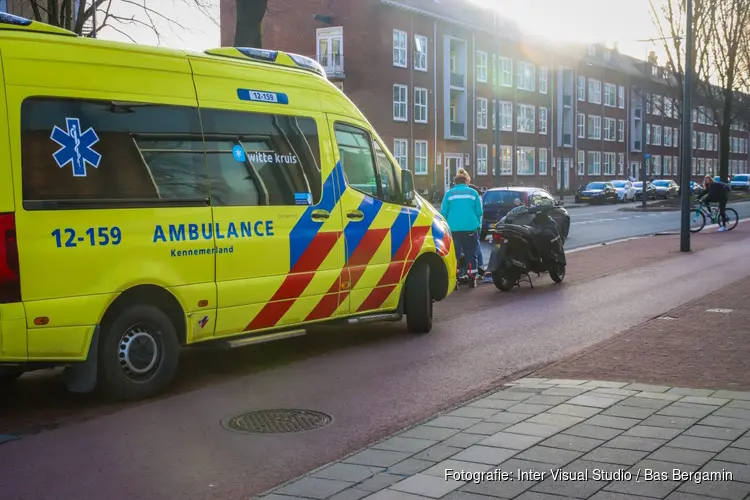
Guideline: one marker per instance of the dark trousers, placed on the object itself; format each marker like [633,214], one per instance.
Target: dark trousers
[467,243]
[723,213]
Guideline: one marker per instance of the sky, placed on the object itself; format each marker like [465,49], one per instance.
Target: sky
[609,21]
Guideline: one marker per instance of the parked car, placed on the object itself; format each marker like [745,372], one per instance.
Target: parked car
[625,190]
[740,182]
[650,191]
[578,193]
[497,202]
[599,192]
[666,188]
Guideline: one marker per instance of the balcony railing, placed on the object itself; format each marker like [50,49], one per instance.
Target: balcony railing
[568,101]
[458,80]
[567,140]
[333,64]
[458,129]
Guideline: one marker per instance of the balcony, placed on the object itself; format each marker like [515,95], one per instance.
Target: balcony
[458,80]
[567,101]
[333,64]
[458,129]
[567,140]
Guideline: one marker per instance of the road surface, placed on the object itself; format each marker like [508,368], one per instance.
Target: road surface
[372,380]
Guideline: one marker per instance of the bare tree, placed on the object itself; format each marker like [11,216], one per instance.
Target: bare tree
[78,15]
[720,29]
[248,31]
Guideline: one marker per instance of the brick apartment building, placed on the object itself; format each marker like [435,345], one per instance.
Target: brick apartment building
[429,73]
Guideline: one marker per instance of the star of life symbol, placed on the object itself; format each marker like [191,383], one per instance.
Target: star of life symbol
[75,147]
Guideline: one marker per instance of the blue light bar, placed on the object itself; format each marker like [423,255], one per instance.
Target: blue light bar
[259,54]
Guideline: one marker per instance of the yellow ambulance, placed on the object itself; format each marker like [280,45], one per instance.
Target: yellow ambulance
[152,199]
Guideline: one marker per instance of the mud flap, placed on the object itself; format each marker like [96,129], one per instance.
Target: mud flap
[496,258]
[81,377]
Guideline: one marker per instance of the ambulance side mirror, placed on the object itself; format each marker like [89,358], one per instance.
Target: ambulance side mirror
[407,185]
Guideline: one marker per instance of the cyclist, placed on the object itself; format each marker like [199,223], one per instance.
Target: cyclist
[462,208]
[715,192]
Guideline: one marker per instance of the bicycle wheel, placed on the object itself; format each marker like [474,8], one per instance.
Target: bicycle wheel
[732,218]
[697,221]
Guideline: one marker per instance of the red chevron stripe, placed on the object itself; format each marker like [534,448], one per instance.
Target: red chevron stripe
[376,298]
[352,273]
[295,282]
[418,235]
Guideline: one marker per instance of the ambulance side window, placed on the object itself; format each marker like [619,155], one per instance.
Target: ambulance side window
[357,159]
[390,176]
[261,159]
[110,154]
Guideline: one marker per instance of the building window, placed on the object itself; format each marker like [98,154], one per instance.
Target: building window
[581,122]
[656,135]
[420,52]
[401,152]
[702,166]
[542,123]
[695,140]
[668,136]
[526,160]
[667,107]
[701,140]
[695,115]
[481,159]
[610,130]
[542,83]
[648,134]
[621,130]
[657,164]
[710,117]
[595,127]
[525,118]
[581,88]
[610,95]
[595,91]
[420,157]
[481,112]
[506,160]
[649,109]
[482,66]
[701,115]
[400,103]
[506,115]
[609,164]
[657,106]
[676,137]
[420,105]
[3,5]
[526,76]
[542,161]
[621,97]
[399,48]
[621,164]
[581,162]
[506,72]
[716,142]
[667,165]
[595,163]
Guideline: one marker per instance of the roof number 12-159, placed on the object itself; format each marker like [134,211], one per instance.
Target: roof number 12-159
[263,96]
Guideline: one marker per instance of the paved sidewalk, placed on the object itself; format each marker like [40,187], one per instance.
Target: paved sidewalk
[611,441]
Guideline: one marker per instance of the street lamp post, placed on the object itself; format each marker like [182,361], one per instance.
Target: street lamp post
[687,132]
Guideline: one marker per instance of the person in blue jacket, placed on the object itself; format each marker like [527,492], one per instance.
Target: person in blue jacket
[462,208]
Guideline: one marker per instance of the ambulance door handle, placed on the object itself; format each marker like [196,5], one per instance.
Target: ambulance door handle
[355,215]
[319,215]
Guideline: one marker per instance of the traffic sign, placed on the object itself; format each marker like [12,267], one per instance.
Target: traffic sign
[646,156]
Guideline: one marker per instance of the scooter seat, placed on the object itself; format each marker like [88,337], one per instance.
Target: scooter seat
[523,230]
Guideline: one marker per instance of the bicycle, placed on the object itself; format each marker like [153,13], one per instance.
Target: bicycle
[701,212]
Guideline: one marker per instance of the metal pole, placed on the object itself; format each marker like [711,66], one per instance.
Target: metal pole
[644,125]
[687,132]
[496,94]
[93,20]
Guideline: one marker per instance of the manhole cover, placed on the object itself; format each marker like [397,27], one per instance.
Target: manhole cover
[278,421]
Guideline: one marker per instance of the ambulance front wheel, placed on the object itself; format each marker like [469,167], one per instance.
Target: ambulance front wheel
[418,299]
[138,354]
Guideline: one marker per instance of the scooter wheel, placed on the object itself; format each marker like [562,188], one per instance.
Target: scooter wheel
[503,282]
[557,273]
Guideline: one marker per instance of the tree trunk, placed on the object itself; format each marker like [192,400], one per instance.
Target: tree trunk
[248,31]
[725,133]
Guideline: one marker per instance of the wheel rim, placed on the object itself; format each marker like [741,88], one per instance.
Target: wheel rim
[139,353]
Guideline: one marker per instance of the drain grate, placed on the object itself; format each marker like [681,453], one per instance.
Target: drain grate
[277,421]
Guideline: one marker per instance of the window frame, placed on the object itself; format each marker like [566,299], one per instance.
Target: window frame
[519,116]
[506,71]
[401,50]
[482,66]
[542,112]
[482,112]
[426,157]
[545,157]
[405,102]
[419,55]
[526,80]
[581,89]
[543,80]
[418,106]
[524,150]
[405,143]
[485,148]
[610,91]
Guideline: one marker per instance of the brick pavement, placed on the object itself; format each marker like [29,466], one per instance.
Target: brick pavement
[613,440]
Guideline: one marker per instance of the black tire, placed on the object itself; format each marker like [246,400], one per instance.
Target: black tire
[147,371]
[700,223]
[418,299]
[732,218]
[557,273]
[502,282]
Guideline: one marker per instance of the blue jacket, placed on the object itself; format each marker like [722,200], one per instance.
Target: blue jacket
[462,207]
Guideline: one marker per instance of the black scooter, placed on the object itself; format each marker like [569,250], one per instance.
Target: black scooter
[532,243]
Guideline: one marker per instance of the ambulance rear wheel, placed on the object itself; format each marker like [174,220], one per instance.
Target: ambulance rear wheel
[139,351]
[418,299]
